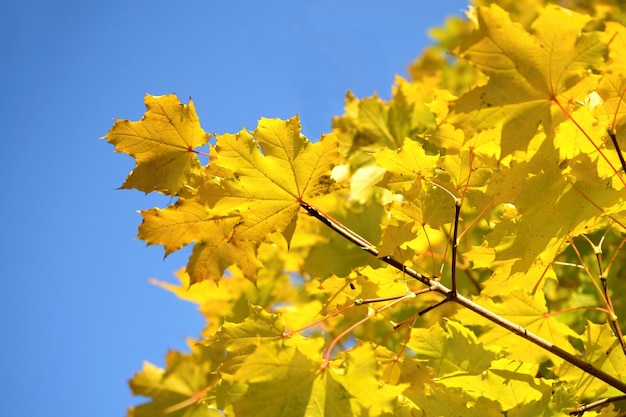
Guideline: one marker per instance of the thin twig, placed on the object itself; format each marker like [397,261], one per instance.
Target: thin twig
[617,149]
[586,407]
[612,131]
[455,243]
[602,273]
[585,134]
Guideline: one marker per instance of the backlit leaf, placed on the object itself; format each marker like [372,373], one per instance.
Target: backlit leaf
[527,71]
[162,143]
[450,350]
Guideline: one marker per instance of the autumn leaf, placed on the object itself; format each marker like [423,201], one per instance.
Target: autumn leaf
[252,188]
[601,349]
[527,71]
[280,378]
[180,388]
[357,376]
[272,171]
[507,381]
[527,310]
[162,143]
[450,349]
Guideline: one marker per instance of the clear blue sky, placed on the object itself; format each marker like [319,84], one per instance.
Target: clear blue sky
[78,315]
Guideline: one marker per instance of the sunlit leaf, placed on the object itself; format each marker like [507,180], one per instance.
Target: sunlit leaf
[162,143]
[527,71]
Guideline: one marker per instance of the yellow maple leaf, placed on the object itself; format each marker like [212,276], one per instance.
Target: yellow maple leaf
[253,187]
[162,143]
[528,72]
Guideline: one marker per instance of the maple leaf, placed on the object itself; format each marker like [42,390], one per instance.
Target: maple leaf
[527,310]
[406,165]
[507,381]
[162,143]
[541,228]
[280,377]
[456,403]
[368,123]
[253,187]
[601,349]
[358,377]
[527,71]
[180,388]
[450,349]
[273,169]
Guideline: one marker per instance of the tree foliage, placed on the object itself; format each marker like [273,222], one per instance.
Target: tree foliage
[457,249]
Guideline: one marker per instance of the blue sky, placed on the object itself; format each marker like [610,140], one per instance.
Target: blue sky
[78,315]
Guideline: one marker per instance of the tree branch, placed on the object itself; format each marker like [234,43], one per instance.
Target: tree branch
[465,302]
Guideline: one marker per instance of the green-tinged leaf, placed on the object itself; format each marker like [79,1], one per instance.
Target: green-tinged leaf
[450,349]
[441,401]
[367,123]
[541,227]
[558,401]
[602,349]
[509,382]
[180,389]
[406,165]
[368,394]
[259,327]
[526,310]
[281,377]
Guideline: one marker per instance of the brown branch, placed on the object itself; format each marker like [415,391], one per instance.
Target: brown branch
[618,150]
[465,302]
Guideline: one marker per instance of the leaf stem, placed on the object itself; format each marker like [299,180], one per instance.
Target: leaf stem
[606,159]
[371,313]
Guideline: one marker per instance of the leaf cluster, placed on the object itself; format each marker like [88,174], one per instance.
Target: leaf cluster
[496,170]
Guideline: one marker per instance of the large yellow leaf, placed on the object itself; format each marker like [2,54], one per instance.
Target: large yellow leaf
[162,143]
[507,381]
[273,170]
[252,188]
[527,72]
